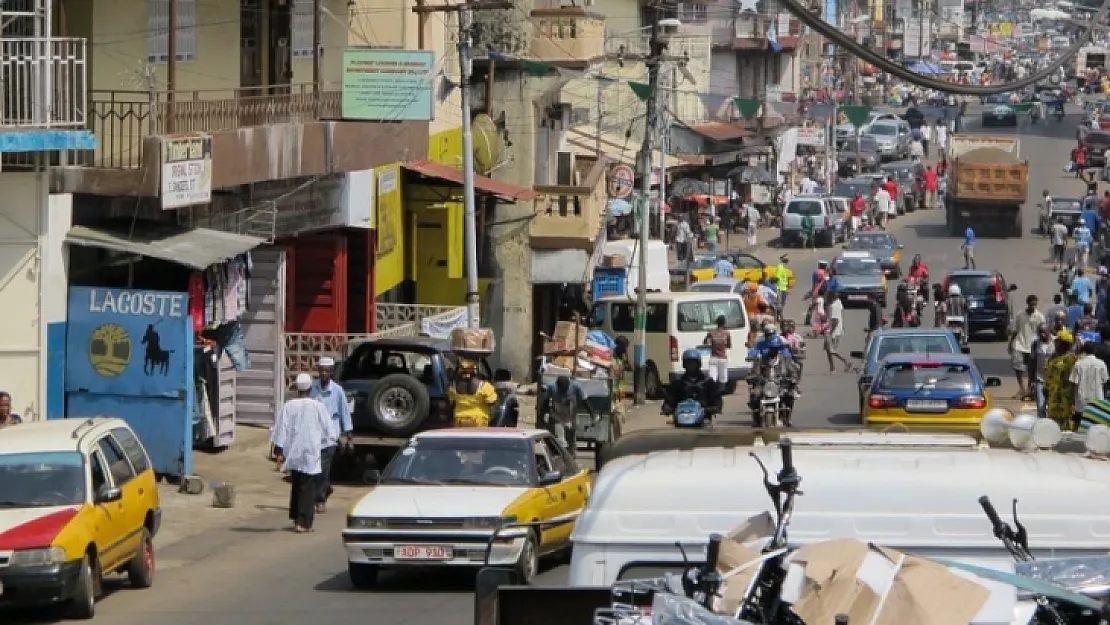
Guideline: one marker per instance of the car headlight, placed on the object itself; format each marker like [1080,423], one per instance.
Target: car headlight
[488,523]
[365,523]
[38,557]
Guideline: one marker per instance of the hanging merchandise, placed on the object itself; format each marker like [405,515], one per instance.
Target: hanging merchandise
[218,298]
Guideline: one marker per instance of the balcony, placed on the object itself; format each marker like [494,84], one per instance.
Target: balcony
[257,134]
[567,35]
[751,31]
[571,217]
[23,74]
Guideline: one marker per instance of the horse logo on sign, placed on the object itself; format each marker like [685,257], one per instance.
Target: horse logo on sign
[621,181]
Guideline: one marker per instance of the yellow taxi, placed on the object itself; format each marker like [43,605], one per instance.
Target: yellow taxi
[78,500]
[451,495]
[748,268]
[928,391]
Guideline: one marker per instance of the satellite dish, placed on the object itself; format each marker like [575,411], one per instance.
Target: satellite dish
[487,143]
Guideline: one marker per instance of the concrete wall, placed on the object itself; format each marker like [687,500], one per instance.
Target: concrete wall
[55,298]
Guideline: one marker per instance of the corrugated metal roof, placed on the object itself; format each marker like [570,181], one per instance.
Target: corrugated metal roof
[504,190]
[721,131]
[198,248]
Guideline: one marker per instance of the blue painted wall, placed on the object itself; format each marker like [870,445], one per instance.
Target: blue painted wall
[55,370]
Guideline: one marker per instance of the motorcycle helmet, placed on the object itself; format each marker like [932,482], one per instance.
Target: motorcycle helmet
[954,290]
[691,361]
[770,330]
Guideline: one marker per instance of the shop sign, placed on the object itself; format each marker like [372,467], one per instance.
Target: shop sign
[186,170]
[621,181]
[388,85]
[811,136]
[304,205]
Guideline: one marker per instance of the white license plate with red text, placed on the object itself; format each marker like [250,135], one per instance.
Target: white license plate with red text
[927,404]
[423,552]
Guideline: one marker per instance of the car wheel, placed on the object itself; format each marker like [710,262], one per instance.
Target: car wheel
[529,562]
[140,571]
[399,405]
[82,604]
[363,576]
[653,388]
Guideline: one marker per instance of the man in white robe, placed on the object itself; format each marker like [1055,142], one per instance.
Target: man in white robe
[300,432]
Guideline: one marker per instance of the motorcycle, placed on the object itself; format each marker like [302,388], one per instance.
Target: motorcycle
[957,325]
[917,293]
[772,394]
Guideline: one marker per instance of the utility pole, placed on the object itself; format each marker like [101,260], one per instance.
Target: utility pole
[644,163]
[600,111]
[470,213]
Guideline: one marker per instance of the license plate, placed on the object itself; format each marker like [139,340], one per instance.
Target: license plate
[858,298]
[926,404]
[423,552]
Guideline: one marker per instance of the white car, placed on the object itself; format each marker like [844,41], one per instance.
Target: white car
[455,497]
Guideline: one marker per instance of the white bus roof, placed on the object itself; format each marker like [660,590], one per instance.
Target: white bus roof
[904,491]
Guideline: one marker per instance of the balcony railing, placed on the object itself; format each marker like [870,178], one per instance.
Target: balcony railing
[752,29]
[567,34]
[120,120]
[570,217]
[43,82]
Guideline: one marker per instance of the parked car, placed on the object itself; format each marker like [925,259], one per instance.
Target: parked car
[847,163]
[1000,115]
[893,138]
[748,268]
[890,341]
[828,221]
[1097,142]
[79,502]
[397,387]
[988,300]
[441,499]
[911,178]
[957,395]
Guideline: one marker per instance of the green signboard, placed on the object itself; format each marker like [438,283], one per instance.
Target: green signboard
[388,85]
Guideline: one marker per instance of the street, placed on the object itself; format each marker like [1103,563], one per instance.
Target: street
[256,572]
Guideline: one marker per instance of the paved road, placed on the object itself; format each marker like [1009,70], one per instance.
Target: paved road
[256,573]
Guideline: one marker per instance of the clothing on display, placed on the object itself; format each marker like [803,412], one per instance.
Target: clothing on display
[218,298]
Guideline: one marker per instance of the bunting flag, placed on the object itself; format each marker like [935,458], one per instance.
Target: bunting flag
[642,90]
[537,69]
[715,104]
[446,87]
[745,107]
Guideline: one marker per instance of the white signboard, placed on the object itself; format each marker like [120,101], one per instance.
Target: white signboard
[811,136]
[186,170]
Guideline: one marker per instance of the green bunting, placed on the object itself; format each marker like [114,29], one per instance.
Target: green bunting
[642,90]
[747,108]
[857,115]
[536,68]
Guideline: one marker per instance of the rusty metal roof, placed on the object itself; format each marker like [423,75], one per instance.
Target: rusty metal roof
[721,131]
[198,248]
[503,190]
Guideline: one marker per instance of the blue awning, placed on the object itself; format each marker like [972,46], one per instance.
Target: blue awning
[38,140]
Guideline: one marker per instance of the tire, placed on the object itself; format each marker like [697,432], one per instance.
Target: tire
[363,576]
[653,387]
[82,604]
[399,405]
[140,570]
[529,563]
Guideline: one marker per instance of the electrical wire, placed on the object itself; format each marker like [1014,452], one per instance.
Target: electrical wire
[833,34]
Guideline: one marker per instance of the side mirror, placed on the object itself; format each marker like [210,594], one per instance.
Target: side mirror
[551,478]
[502,375]
[992,381]
[965,350]
[107,494]
[858,355]
[1012,287]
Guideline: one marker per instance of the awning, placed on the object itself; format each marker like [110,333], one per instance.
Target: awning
[198,248]
[503,190]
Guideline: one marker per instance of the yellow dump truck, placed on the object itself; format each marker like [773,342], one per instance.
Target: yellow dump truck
[987,185]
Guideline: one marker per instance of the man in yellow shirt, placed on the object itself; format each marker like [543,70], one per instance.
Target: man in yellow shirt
[782,272]
[471,397]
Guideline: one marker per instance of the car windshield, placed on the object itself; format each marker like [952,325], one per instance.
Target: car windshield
[886,130]
[888,345]
[974,285]
[1100,138]
[55,478]
[703,262]
[487,461]
[701,287]
[927,375]
[866,144]
[849,189]
[872,242]
[857,267]
[1060,204]
[804,207]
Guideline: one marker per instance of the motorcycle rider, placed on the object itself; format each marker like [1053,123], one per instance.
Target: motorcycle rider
[919,272]
[956,307]
[693,384]
[905,314]
[766,353]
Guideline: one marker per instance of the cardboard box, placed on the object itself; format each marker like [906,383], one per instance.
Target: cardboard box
[479,340]
[613,260]
[569,335]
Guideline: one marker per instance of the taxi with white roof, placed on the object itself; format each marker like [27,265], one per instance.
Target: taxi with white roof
[859,276]
[453,497]
[78,500]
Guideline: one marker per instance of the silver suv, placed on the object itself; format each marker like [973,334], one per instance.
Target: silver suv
[828,220]
[893,139]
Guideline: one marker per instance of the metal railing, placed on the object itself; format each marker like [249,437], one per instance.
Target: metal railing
[120,120]
[755,26]
[567,33]
[43,82]
[570,215]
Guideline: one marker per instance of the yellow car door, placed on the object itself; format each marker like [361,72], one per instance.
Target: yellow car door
[576,479]
[130,507]
[558,502]
[107,517]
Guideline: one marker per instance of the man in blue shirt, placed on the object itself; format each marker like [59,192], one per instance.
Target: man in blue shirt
[1075,313]
[331,394]
[723,268]
[968,248]
[1081,288]
[1090,218]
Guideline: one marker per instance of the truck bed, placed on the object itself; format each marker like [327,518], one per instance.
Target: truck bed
[998,183]
[960,144]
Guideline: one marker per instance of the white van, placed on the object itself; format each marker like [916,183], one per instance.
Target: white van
[658,263]
[916,493]
[677,322]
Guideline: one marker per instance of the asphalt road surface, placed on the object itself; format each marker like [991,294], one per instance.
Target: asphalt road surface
[259,573]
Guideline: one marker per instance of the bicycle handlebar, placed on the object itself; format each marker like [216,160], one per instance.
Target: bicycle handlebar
[992,514]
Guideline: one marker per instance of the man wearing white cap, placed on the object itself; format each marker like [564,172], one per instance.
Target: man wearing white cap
[334,398]
[299,429]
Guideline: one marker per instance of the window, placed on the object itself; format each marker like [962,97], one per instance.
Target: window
[624,317]
[558,459]
[911,376]
[692,12]
[697,316]
[302,29]
[133,448]
[543,463]
[812,208]
[913,345]
[99,475]
[158,26]
[118,465]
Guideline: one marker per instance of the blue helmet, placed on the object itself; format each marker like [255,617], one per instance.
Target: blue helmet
[691,354]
